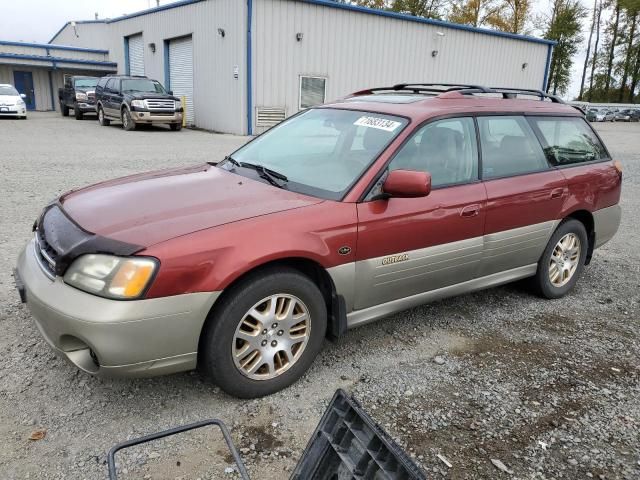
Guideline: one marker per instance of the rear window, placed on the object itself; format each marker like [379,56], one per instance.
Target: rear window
[569,140]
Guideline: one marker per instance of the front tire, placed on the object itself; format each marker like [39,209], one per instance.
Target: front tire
[77,113]
[562,261]
[264,334]
[64,110]
[127,122]
[176,127]
[102,120]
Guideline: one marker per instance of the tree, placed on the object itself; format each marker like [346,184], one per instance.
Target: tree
[565,28]
[595,53]
[420,8]
[612,46]
[631,10]
[586,58]
[510,16]
[472,12]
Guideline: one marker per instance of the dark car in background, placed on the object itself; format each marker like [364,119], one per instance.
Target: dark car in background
[79,94]
[626,115]
[136,100]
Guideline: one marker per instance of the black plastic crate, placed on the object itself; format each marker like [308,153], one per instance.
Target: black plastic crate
[349,445]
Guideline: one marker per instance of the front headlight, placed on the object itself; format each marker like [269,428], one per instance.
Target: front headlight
[178,105]
[81,96]
[137,103]
[20,103]
[110,276]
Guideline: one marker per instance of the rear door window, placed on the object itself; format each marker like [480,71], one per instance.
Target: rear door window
[569,140]
[509,147]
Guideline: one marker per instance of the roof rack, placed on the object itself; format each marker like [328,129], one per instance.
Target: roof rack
[445,88]
[422,88]
[508,92]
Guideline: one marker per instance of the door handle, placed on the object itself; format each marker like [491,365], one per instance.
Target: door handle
[470,211]
[557,192]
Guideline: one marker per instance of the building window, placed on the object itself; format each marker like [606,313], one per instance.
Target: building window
[312,91]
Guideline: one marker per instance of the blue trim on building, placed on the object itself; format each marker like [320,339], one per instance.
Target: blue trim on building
[54,60]
[168,6]
[78,22]
[429,21]
[249,69]
[53,104]
[167,66]
[53,47]
[545,80]
[127,67]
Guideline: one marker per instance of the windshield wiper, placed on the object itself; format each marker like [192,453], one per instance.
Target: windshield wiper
[273,177]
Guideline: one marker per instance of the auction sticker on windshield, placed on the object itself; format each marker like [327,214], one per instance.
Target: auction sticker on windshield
[377,122]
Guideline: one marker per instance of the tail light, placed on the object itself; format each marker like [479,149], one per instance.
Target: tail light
[618,166]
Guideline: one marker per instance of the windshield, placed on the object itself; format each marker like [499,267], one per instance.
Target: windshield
[86,82]
[8,90]
[142,85]
[321,152]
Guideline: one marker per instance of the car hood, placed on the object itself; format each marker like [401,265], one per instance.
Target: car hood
[147,95]
[9,99]
[150,208]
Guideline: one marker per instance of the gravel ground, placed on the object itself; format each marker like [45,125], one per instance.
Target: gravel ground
[549,388]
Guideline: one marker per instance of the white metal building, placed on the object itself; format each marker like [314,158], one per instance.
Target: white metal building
[243,65]
[38,70]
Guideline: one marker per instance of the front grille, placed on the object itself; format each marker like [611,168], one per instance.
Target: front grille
[45,254]
[91,97]
[160,104]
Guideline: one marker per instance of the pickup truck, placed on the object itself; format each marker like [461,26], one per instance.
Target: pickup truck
[78,93]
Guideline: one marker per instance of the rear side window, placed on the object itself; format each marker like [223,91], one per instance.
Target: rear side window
[447,149]
[569,140]
[509,147]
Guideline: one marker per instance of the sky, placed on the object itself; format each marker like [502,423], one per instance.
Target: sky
[38,20]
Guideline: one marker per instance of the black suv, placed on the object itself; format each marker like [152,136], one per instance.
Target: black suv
[136,100]
[78,93]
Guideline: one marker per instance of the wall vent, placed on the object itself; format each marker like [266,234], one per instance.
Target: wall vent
[269,116]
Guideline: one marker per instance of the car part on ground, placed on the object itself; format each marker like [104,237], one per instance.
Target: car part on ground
[347,443]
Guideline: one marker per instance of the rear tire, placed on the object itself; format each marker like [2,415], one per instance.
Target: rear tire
[64,110]
[102,120]
[562,261]
[293,320]
[77,113]
[176,127]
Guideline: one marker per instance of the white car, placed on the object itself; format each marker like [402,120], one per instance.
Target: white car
[11,102]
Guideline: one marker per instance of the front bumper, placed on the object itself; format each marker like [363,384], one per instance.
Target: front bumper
[141,116]
[13,111]
[86,107]
[111,337]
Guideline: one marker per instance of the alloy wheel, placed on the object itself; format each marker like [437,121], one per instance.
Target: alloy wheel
[271,337]
[565,259]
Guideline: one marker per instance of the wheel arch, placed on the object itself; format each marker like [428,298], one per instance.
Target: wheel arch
[586,218]
[336,309]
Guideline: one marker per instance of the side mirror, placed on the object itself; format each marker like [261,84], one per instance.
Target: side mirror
[170,92]
[407,184]
[23,96]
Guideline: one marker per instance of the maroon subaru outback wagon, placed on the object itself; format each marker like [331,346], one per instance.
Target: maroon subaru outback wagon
[338,216]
